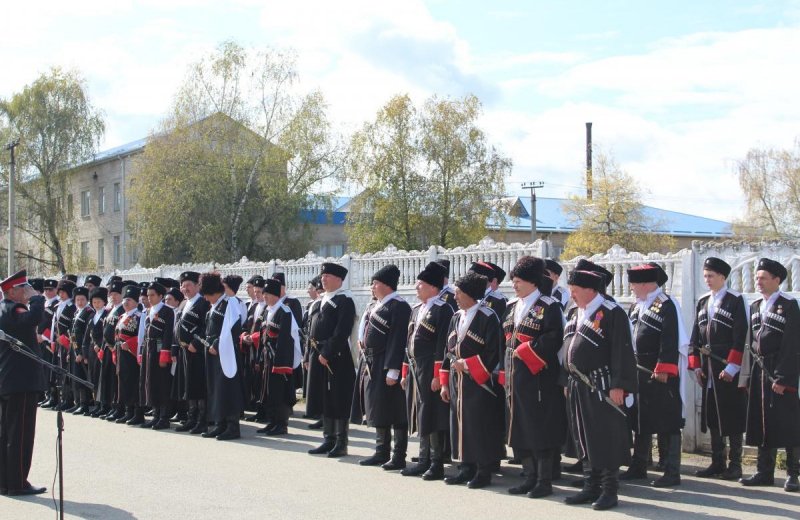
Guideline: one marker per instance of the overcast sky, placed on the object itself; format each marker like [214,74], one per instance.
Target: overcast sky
[677,91]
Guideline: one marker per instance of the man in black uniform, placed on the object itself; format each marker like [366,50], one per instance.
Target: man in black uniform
[79,364]
[473,350]
[159,325]
[658,408]
[193,322]
[492,298]
[22,382]
[599,348]
[382,343]
[721,325]
[537,419]
[109,384]
[448,293]
[329,336]
[553,271]
[125,356]
[223,358]
[297,311]
[280,338]
[62,320]
[427,338]
[44,337]
[93,342]
[773,412]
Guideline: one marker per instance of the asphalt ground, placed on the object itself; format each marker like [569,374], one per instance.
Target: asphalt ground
[116,472]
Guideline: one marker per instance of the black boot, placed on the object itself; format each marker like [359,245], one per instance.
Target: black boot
[219,429]
[316,425]
[544,482]
[436,470]
[424,459]
[119,411]
[591,487]
[531,475]
[792,484]
[381,455]
[638,467]
[717,465]
[482,478]
[127,417]
[231,430]
[163,413]
[466,472]
[765,469]
[398,460]
[672,466]
[609,483]
[191,420]
[329,438]
[342,429]
[138,416]
[734,469]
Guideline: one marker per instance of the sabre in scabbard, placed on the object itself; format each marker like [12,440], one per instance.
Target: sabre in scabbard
[586,381]
[452,357]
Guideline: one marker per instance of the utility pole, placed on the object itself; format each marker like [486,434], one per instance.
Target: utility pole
[533,186]
[12,209]
[589,161]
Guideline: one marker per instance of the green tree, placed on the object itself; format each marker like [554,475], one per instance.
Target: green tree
[770,181]
[231,167]
[614,215]
[58,128]
[428,176]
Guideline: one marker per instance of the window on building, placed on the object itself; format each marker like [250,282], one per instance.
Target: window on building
[101,253]
[117,251]
[84,252]
[117,196]
[101,200]
[86,200]
[69,206]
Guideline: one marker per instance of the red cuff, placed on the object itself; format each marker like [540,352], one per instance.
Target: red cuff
[63,341]
[437,365]
[282,370]
[242,336]
[139,359]
[256,337]
[477,370]
[100,355]
[508,336]
[523,337]
[46,333]
[114,357]
[694,362]
[164,356]
[444,377]
[272,333]
[666,368]
[133,344]
[735,357]
[531,359]
[404,372]
[501,377]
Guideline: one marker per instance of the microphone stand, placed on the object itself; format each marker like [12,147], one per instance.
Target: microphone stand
[20,347]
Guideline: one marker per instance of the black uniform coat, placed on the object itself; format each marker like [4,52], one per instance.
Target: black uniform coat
[476,434]
[225,394]
[773,421]
[191,322]
[384,347]
[537,417]
[127,352]
[43,329]
[315,377]
[19,374]
[62,335]
[427,340]
[278,372]
[449,296]
[94,339]
[724,404]
[330,331]
[496,301]
[659,408]
[178,383]
[157,348]
[297,311]
[109,385]
[78,337]
[600,347]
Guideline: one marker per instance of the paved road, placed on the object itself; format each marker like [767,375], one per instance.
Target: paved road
[119,472]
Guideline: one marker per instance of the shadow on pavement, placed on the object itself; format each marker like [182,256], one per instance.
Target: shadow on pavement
[82,510]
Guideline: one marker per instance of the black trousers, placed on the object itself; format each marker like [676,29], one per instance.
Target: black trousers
[17,431]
